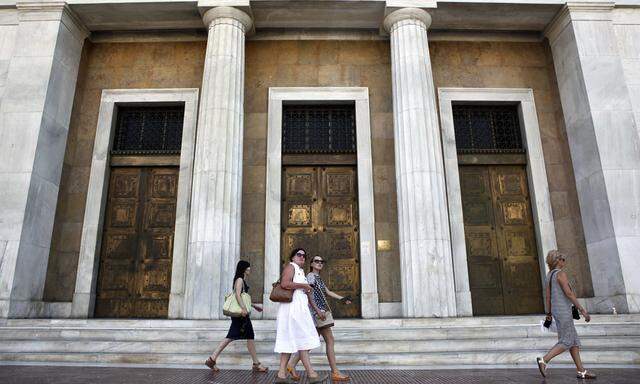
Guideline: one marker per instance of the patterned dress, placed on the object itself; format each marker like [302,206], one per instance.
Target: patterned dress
[561,312]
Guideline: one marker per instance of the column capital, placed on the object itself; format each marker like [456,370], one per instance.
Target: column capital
[405,14]
[229,13]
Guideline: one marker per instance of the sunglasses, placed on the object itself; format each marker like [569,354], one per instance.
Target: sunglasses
[319,261]
[301,254]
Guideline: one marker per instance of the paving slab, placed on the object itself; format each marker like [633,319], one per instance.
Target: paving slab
[38,374]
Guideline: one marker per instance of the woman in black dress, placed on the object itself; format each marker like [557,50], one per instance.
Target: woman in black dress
[241,328]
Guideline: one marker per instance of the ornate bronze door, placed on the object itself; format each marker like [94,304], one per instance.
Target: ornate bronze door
[137,245]
[504,273]
[320,214]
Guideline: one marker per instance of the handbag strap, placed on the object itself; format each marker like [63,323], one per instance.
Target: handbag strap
[550,288]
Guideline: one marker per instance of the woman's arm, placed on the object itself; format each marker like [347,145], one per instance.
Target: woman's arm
[313,305]
[335,295]
[563,280]
[238,292]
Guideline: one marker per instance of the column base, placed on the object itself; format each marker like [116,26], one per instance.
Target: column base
[270,309]
[370,305]
[83,305]
[463,304]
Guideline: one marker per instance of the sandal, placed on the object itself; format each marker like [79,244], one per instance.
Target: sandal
[211,364]
[257,367]
[294,375]
[585,375]
[339,377]
[542,366]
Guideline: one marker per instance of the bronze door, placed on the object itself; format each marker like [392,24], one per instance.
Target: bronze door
[504,273]
[137,245]
[320,214]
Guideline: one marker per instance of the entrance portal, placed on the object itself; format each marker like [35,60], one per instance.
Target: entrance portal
[502,257]
[134,277]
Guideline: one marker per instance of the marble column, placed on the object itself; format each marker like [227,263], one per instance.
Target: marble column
[425,247]
[34,122]
[605,149]
[214,238]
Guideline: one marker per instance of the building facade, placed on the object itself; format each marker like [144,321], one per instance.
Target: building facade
[432,152]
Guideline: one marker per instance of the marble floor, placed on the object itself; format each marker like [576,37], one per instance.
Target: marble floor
[23,374]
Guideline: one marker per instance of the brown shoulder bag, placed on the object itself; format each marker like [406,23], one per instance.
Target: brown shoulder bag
[279,294]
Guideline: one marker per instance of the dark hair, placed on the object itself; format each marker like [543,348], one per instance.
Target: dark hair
[240,268]
[293,253]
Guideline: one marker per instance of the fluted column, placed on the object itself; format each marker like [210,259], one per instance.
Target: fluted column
[214,239]
[425,247]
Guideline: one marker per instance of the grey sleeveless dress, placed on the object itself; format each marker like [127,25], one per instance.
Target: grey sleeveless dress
[561,312]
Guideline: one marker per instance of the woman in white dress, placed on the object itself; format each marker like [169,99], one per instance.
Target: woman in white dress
[295,329]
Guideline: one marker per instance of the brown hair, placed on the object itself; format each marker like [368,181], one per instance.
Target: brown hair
[553,257]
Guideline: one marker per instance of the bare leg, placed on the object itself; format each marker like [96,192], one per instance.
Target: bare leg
[327,335]
[282,371]
[304,356]
[555,351]
[293,361]
[223,344]
[575,355]
[251,347]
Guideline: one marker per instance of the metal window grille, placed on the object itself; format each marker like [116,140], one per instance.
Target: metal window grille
[487,129]
[318,129]
[148,130]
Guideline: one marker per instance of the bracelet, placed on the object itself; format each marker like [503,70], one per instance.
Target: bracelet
[345,299]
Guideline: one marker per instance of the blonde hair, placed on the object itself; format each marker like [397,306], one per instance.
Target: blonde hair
[553,257]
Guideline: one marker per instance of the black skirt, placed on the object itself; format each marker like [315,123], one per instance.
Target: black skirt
[241,329]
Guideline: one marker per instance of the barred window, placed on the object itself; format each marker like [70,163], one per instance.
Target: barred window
[487,129]
[318,129]
[148,130]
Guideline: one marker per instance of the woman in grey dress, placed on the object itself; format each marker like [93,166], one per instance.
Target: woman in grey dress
[560,297]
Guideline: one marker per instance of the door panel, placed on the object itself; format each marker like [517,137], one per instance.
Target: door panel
[320,213]
[134,279]
[504,273]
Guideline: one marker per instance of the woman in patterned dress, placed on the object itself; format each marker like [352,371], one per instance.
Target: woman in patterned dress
[241,327]
[560,297]
[324,329]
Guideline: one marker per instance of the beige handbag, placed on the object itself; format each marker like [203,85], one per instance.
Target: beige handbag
[231,307]
[327,322]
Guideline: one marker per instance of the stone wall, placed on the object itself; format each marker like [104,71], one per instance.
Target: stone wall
[527,65]
[312,63]
[106,66]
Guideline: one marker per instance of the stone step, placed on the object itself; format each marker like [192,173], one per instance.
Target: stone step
[441,359]
[492,321]
[340,332]
[390,342]
[342,346]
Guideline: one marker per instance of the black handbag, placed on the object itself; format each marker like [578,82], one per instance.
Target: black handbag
[575,313]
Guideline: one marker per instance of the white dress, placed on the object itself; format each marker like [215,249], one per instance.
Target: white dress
[295,330]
